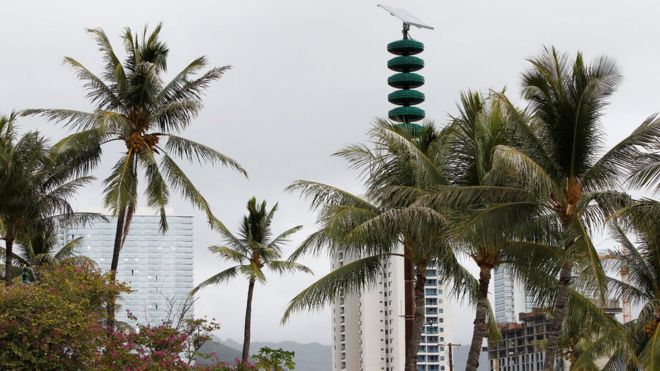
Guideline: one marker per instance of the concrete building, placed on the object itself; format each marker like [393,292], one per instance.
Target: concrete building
[158,266]
[369,327]
[519,349]
[520,346]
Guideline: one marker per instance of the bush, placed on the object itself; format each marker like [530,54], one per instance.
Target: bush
[166,346]
[55,323]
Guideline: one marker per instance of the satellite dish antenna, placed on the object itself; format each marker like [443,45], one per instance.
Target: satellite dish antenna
[407,19]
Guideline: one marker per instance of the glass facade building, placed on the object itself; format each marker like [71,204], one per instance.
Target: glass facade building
[157,266]
[511,298]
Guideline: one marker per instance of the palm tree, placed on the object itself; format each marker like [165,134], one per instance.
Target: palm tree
[639,283]
[252,250]
[40,245]
[133,106]
[554,157]
[34,186]
[471,139]
[384,224]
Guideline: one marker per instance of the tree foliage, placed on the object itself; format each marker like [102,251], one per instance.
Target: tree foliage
[56,322]
[36,186]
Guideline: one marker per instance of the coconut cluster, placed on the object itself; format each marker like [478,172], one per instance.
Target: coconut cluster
[138,142]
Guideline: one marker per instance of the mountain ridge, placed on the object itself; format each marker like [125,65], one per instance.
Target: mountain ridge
[308,356]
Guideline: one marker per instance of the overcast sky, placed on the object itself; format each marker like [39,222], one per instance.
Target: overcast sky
[308,78]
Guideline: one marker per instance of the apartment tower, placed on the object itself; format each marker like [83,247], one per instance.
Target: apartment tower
[368,327]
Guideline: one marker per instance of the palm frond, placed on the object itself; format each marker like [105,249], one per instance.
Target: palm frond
[80,120]
[190,150]
[594,208]
[345,280]
[120,184]
[253,271]
[522,134]
[98,92]
[324,195]
[229,237]
[607,172]
[285,266]
[182,183]
[230,254]
[218,278]
[585,250]
[426,169]
[181,78]
[113,69]
[80,152]
[509,162]
[646,172]
[158,193]
[465,197]
[68,250]
[314,244]
[283,237]
[188,92]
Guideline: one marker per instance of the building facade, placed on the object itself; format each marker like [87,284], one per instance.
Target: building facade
[157,266]
[520,346]
[369,327]
[510,296]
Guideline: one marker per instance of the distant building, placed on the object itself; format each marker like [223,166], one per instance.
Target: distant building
[460,356]
[158,266]
[368,328]
[519,349]
[510,296]
[520,346]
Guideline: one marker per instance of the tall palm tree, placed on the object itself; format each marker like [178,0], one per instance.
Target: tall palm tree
[471,139]
[555,157]
[639,264]
[384,224]
[253,250]
[135,107]
[34,186]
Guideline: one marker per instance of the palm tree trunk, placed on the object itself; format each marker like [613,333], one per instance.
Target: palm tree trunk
[559,314]
[479,330]
[9,247]
[119,239]
[248,320]
[412,343]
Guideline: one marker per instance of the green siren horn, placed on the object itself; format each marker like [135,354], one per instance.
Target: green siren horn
[405,64]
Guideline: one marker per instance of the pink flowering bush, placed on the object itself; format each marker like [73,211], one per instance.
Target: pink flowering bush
[166,346]
[148,348]
[58,323]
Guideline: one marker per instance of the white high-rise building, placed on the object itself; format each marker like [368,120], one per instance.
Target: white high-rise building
[510,296]
[368,328]
[157,266]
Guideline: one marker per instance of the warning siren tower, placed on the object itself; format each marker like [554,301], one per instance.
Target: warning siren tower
[405,64]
